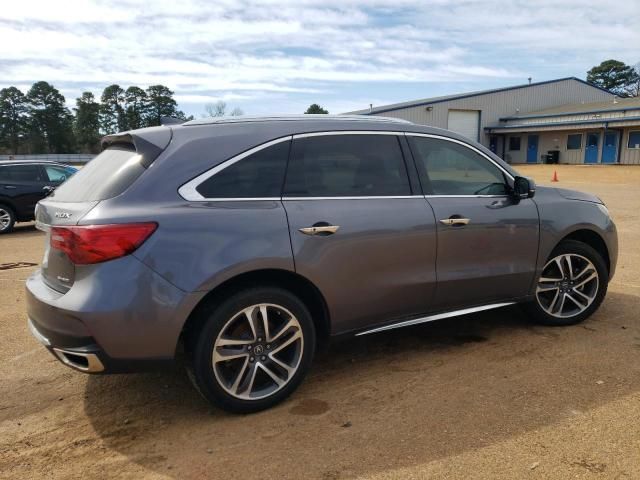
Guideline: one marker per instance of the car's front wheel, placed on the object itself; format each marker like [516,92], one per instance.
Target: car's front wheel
[571,287]
[253,350]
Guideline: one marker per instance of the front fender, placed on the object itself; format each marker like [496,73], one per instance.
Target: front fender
[561,217]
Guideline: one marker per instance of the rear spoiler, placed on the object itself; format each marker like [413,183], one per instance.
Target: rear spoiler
[148,142]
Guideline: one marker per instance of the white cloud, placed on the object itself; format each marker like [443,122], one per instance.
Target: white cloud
[285,53]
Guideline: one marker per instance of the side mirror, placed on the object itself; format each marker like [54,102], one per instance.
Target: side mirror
[523,187]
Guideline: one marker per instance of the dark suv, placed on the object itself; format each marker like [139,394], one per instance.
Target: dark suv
[248,242]
[23,184]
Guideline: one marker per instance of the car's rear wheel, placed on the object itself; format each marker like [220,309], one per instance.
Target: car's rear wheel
[571,287]
[7,219]
[253,350]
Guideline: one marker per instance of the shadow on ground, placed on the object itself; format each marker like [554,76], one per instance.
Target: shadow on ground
[383,401]
[28,229]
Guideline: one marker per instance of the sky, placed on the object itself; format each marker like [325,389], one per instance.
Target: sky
[269,57]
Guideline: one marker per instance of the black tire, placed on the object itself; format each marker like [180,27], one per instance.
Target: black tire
[215,318]
[539,315]
[7,211]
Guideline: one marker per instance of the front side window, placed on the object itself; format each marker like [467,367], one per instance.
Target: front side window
[514,144]
[634,140]
[357,165]
[574,142]
[260,175]
[23,173]
[448,168]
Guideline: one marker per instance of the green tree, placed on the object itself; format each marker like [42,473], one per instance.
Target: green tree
[135,107]
[615,76]
[112,114]
[160,103]
[14,118]
[315,108]
[87,123]
[51,125]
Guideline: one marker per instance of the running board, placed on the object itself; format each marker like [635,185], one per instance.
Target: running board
[432,318]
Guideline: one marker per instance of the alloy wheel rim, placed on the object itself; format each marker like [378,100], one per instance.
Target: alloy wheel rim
[5,219]
[568,285]
[258,351]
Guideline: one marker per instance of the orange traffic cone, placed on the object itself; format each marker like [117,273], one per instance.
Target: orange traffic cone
[555,176]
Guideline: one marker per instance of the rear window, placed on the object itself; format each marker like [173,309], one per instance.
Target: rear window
[107,175]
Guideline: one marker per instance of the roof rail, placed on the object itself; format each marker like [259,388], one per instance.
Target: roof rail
[170,121]
[284,118]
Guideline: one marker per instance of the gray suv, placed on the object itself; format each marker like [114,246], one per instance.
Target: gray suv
[246,243]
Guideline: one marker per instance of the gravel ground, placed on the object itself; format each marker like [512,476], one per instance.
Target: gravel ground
[483,396]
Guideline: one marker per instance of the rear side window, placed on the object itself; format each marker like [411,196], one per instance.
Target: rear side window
[21,173]
[57,174]
[448,168]
[107,175]
[347,166]
[259,175]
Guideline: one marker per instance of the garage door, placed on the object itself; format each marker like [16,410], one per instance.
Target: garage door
[465,122]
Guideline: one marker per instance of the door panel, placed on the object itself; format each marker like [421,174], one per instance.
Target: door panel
[591,148]
[532,149]
[380,263]
[368,242]
[492,257]
[610,147]
[487,239]
[24,186]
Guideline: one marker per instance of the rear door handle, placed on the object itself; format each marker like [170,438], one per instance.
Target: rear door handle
[320,229]
[10,187]
[48,188]
[455,221]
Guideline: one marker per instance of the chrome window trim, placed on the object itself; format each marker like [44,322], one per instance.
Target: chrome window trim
[470,147]
[188,190]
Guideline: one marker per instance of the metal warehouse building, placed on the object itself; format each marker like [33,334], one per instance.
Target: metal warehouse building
[577,121]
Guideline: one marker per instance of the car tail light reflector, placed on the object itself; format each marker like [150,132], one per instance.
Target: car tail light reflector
[87,244]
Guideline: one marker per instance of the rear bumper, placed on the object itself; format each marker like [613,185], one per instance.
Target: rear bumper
[119,316]
[90,358]
[83,359]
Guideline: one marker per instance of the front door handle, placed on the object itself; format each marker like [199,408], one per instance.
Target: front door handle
[319,230]
[10,187]
[455,220]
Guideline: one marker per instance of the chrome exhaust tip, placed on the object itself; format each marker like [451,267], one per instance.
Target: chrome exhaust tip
[85,362]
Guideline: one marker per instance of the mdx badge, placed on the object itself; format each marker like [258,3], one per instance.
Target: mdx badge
[63,215]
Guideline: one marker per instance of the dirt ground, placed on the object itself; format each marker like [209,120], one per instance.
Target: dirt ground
[486,396]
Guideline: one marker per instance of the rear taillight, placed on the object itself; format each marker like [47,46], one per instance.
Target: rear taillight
[88,244]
